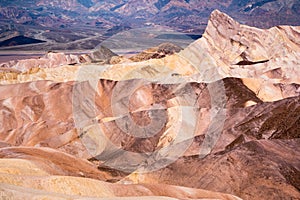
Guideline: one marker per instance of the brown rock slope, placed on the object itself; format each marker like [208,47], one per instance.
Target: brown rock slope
[220,118]
[56,59]
[157,52]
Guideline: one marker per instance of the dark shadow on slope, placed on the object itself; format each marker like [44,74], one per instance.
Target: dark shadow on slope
[19,40]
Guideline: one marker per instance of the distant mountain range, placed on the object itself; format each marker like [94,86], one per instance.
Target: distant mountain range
[85,17]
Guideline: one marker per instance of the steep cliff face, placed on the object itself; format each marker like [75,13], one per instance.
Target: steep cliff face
[221,116]
[265,60]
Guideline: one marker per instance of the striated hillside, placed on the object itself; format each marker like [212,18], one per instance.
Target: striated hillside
[219,119]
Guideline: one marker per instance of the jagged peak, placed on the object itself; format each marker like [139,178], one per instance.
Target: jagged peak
[215,14]
[221,21]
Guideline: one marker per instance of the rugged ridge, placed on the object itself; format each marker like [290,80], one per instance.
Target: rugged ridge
[77,24]
[220,117]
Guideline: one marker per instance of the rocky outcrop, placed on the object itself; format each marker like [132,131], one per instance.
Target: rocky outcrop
[221,116]
[55,59]
[160,51]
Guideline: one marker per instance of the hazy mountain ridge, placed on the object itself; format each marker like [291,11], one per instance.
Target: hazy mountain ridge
[33,17]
